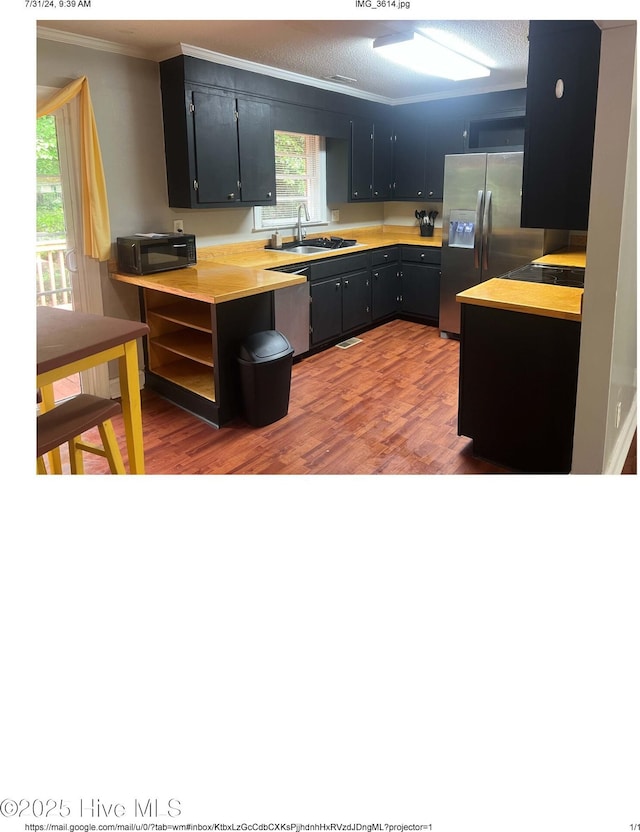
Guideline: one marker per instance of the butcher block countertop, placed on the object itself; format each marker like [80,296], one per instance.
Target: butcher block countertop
[573,257]
[546,300]
[213,283]
[254,255]
[229,272]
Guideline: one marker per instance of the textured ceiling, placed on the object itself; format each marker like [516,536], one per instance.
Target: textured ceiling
[317,50]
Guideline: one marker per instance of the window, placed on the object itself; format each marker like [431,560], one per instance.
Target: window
[300,178]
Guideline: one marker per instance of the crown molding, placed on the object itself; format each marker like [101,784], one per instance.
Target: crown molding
[43,33]
[249,66]
[283,74]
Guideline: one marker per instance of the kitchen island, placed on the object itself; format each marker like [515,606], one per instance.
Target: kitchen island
[519,351]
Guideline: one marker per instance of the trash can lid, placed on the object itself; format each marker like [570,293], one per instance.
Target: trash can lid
[265,346]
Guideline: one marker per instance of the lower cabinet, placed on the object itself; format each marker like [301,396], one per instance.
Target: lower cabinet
[326,310]
[385,291]
[420,281]
[351,292]
[340,290]
[517,388]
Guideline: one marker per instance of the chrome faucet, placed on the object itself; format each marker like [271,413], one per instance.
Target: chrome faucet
[300,234]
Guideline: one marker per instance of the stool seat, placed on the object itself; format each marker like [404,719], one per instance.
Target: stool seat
[69,419]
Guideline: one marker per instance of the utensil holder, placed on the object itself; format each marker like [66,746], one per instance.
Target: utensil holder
[426,231]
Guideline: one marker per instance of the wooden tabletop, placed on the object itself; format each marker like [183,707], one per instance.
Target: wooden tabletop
[64,336]
[547,300]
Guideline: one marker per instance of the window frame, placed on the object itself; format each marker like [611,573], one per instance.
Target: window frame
[316,202]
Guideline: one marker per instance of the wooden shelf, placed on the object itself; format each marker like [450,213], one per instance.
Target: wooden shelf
[189,375]
[196,315]
[188,343]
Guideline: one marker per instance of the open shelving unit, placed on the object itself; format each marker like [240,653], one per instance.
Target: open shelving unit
[181,342]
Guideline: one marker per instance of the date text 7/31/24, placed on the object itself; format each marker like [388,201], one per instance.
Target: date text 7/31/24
[57,4]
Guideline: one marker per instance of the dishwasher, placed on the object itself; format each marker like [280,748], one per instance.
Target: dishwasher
[291,310]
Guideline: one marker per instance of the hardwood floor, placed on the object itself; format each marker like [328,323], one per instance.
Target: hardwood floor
[387,405]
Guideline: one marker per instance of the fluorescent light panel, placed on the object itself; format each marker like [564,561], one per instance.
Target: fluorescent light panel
[421,51]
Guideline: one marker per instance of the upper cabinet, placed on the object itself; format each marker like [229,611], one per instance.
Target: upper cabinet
[371,160]
[409,159]
[360,168]
[443,137]
[218,146]
[562,88]
[419,149]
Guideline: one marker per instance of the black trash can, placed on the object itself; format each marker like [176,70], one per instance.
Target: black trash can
[265,367]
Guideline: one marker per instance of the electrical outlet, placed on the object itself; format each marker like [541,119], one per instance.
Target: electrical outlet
[335,216]
[178,226]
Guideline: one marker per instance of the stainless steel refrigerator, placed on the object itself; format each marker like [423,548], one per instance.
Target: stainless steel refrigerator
[481,233]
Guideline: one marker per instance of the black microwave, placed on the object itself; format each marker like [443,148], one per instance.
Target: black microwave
[149,253]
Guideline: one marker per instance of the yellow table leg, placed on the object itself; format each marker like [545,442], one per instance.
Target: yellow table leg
[47,403]
[131,407]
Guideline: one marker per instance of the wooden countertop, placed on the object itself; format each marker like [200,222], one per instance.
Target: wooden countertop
[570,257]
[225,273]
[213,283]
[542,299]
[259,257]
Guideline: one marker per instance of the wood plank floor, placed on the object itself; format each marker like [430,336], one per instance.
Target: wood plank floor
[387,405]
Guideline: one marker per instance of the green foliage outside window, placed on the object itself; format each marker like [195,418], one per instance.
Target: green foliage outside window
[49,205]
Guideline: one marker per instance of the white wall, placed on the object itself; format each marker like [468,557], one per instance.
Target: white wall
[607,381]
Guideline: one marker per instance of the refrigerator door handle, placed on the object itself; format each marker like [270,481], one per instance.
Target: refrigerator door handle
[486,219]
[476,231]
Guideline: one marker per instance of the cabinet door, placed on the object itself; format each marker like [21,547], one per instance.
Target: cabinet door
[385,290]
[361,159]
[257,153]
[420,290]
[216,147]
[382,161]
[326,310]
[560,124]
[409,155]
[356,300]
[442,138]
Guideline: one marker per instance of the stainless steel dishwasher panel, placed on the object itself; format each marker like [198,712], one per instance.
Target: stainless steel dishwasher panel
[291,315]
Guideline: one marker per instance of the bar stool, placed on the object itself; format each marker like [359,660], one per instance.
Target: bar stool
[71,418]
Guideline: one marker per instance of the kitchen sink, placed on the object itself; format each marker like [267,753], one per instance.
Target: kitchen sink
[315,245]
[303,249]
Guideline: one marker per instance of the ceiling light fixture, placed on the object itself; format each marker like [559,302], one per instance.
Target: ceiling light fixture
[434,52]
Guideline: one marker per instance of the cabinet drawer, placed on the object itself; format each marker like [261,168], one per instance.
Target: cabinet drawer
[381,256]
[421,254]
[338,265]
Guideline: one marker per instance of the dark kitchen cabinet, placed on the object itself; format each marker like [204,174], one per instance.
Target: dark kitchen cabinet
[420,283]
[326,310]
[385,283]
[218,146]
[443,137]
[215,148]
[517,388]
[562,87]
[356,300]
[361,169]
[361,153]
[382,160]
[340,289]
[409,159]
